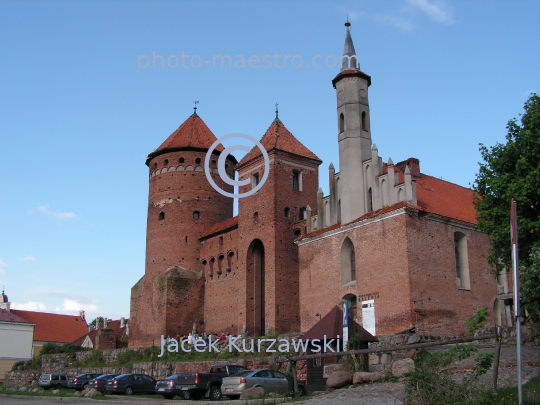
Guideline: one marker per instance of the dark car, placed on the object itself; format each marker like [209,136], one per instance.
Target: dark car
[198,385]
[130,384]
[53,381]
[100,383]
[80,382]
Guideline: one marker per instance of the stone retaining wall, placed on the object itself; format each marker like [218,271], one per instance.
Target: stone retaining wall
[158,370]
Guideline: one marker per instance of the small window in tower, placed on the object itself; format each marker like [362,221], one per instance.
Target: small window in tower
[302,214]
[196,215]
[297,232]
[286,212]
[186,238]
[297,180]
[198,161]
[161,216]
[341,123]
[214,164]
[254,180]
[165,162]
[155,166]
[256,217]
[229,261]
[370,201]
[181,160]
[220,241]
[364,124]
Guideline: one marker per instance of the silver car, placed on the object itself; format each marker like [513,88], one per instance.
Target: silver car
[270,381]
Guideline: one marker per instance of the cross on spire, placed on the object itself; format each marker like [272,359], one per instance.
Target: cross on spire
[195,107]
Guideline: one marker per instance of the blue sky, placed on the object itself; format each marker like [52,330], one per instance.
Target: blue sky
[80,111]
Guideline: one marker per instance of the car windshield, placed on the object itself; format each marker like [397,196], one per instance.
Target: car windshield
[241,373]
[45,377]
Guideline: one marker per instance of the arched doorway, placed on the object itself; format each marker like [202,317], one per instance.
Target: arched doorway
[255,289]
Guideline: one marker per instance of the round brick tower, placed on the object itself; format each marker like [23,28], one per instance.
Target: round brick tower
[182,206]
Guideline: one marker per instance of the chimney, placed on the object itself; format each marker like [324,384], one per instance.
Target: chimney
[127,329]
[97,322]
[81,314]
[122,322]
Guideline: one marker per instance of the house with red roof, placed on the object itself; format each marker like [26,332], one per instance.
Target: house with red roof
[401,247]
[16,336]
[112,335]
[46,327]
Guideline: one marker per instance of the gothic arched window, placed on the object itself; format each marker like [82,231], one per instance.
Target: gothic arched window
[348,262]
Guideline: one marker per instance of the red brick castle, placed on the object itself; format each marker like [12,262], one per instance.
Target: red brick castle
[401,246]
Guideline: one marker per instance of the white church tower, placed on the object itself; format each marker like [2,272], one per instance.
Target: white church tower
[361,185]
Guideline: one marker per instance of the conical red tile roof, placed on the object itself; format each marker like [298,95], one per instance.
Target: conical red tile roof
[278,137]
[193,133]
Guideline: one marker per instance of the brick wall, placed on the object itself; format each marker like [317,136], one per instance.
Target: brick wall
[173,240]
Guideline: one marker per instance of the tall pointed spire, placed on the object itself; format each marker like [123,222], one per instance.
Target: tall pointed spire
[349,60]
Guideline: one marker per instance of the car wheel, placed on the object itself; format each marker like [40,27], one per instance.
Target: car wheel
[85,386]
[215,392]
[168,396]
[185,395]
[301,391]
[128,390]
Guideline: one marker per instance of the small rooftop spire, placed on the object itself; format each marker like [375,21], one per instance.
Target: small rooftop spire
[195,108]
[349,60]
[277,114]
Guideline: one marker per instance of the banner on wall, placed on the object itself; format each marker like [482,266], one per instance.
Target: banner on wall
[368,316]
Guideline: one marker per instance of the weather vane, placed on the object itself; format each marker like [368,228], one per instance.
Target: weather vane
[277,110]
[195,107]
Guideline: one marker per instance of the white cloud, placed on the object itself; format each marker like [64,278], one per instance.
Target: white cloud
[26,259]
[30,306]
[437,10]
[401,23]
[73,305]
[2,265]
[57,214]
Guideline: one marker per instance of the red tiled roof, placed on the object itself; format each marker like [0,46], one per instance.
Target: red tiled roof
[433,195]
[351,72]
[6,316]
[221,227]
[331,325]
[446,199]
[193,133]
[278,137]
[54,327]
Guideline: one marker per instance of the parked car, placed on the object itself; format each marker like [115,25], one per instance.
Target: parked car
[270,381]
[80,382]
[100,383]
[53,381]
[197,385]
[131,384]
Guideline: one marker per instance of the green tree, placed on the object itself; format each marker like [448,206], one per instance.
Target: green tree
[530,283]
[512,170]
[94,321]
